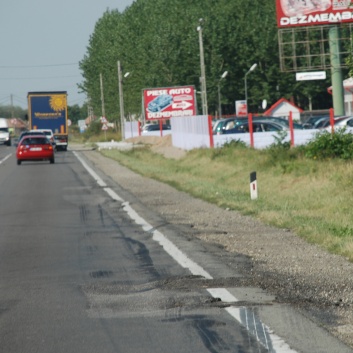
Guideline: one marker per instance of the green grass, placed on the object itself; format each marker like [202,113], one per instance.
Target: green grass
[312,198]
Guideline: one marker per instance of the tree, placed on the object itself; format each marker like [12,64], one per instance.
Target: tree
[157,42]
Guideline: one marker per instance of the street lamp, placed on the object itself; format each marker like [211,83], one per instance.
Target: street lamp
[121,100]
[203,75]
[246,88]
[225,73]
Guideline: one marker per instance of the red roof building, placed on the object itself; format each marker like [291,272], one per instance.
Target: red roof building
[282,108]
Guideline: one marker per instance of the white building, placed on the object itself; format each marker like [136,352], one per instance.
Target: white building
[282,109]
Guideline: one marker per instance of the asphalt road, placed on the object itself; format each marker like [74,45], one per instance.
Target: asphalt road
[78,273]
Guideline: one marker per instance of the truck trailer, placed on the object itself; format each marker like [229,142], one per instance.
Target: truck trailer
[48,110]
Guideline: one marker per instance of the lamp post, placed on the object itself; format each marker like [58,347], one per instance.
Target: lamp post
[253,67]
[203,75]
[225,73]
[121,100]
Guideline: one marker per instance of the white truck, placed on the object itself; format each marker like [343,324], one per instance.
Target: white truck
[5,136]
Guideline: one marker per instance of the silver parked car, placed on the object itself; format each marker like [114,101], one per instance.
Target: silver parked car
[258,126]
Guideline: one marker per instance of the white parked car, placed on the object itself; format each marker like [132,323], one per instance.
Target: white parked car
[340,122]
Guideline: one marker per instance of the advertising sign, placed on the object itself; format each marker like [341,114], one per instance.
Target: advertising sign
[241,108]
[165,103]
[293,13]
[310,76]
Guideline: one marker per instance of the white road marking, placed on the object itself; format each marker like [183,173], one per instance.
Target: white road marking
[94,175]
[261,332]
[4,159]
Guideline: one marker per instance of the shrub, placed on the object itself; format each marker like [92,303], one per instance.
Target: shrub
[235,144]
[328,146]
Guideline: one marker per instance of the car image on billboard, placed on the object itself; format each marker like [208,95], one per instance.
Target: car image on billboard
[159,103]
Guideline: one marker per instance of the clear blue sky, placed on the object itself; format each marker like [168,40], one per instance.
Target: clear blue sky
[42,42]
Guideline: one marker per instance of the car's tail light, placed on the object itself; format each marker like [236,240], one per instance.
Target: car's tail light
[48,147]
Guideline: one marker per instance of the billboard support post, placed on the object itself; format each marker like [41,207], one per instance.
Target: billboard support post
[336,71]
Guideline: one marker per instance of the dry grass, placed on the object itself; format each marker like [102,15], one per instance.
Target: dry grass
[312,198]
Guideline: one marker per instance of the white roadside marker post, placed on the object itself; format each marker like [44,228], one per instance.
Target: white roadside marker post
[253,186]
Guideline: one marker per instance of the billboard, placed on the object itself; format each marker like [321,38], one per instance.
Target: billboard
[293,13]
[241,108]
[165,103]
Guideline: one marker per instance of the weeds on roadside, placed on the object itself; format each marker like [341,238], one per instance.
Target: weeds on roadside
[228,148]
[329,146]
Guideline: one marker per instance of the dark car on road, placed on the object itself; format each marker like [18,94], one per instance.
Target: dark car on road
[28,133]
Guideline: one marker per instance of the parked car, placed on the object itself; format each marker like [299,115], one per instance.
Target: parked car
[339,122]
[258,126]
[35,148]
[344,121]
[281,121]
[160,103]
[155,127]
[313,120]
[221,126]
[321,123]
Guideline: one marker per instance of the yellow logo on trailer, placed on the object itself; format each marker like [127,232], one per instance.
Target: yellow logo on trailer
[58,102]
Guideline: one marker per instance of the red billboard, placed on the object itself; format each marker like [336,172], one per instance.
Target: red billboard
[241,108]
[293,13]
[165,103]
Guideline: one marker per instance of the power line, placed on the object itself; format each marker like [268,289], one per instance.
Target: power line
[32,66]
[36,78]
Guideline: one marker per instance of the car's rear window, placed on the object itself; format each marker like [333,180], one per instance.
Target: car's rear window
[35,141]
[30,133]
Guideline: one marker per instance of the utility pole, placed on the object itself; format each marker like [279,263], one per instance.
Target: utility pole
[203,74]
[121,102]
[12,112]
[90,112]
[102,94]
[336,71]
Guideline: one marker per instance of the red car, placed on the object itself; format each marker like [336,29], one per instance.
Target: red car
[35,148]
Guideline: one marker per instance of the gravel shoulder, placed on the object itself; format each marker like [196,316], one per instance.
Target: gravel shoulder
[295,272]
